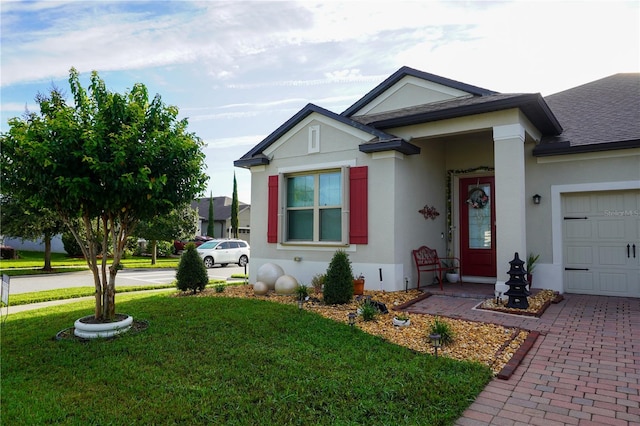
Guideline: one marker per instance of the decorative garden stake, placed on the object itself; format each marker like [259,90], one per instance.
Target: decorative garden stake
[435,342]
[352,318]
[300,302]
[517,285]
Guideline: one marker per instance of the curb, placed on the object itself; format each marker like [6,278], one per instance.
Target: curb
[508,370]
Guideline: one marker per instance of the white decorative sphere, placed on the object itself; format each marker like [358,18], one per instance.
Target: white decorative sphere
[269,274]
[260,288]
[286,284]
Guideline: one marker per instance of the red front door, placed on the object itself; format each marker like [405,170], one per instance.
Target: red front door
[477,227]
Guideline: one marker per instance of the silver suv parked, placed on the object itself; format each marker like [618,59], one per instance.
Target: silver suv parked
[224,252]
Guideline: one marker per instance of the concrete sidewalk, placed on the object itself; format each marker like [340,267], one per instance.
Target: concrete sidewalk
[584,369]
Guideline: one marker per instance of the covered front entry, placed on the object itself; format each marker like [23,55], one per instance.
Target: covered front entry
[477,226]
[601,243]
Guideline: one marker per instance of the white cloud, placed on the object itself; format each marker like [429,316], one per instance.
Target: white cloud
[235,142]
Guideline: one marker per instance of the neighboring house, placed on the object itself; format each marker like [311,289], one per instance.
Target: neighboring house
[425,160]
[222,217]
[34,245]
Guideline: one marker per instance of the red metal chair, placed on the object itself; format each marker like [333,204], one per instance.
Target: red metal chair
[427,260]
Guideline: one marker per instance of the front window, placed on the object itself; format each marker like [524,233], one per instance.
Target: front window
[314,207]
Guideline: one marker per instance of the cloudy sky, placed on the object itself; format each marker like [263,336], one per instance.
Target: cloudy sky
[239,69]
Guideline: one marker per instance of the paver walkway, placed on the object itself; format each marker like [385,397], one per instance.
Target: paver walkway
[584,369]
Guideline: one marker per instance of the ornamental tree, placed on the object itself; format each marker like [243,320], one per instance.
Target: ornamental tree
[234,208]
[211,229]
[106,160]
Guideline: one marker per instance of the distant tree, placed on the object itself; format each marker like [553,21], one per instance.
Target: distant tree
[108,160]
[210,224]
[20,220]
[234,208]
[180,223]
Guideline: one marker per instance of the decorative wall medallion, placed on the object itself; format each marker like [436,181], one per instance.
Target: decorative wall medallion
[478,199]
[429,212]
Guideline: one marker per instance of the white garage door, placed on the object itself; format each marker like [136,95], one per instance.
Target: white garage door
[601,232]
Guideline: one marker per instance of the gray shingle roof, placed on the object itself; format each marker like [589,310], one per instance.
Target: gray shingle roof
[602,114]
[532,104]
[221,207]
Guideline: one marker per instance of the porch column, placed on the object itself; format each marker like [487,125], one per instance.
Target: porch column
[510,199]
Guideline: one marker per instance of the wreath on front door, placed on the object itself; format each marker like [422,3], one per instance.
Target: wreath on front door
[478,199]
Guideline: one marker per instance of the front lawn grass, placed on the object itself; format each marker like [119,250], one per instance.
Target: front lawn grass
[206,360]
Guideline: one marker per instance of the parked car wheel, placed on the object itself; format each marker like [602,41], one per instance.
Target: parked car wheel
[208,262]
[243,260]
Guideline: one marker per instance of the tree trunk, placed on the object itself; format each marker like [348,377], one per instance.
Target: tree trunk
[154,251]
[47,252]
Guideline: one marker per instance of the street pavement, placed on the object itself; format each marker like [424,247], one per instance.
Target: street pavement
[30,283]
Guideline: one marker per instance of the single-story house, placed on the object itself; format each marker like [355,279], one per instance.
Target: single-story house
[222,218]
[473,173]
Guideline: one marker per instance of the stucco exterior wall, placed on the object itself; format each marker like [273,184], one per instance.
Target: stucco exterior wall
[594,171]
[421,182]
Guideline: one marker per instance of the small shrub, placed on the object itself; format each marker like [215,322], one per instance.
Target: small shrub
[302,291]
[131,246]
[164,248]
[338,282]
[8,253]
[220,288]
[443,329]
[70,244]
[368,310]
[191,274]
[317,282]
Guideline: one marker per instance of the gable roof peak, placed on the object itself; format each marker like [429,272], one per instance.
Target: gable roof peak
[412,72]
[256,155]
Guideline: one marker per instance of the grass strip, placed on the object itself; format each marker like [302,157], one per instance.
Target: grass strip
[223,361]
[76,292]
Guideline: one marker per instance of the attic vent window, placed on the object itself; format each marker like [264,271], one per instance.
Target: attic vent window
[314,139]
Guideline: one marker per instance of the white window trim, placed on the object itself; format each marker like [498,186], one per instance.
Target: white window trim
[283,174]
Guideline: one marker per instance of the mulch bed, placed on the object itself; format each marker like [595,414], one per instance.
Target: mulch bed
[499,347]
[538,303]
[490,344]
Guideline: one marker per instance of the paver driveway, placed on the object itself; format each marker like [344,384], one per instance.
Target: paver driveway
[584,369]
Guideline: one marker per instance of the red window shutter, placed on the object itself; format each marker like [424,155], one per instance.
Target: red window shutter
[358,205]
[272,210]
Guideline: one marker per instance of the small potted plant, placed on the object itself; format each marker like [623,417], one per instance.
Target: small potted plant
[401,320]
[358,285]
[451,273]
